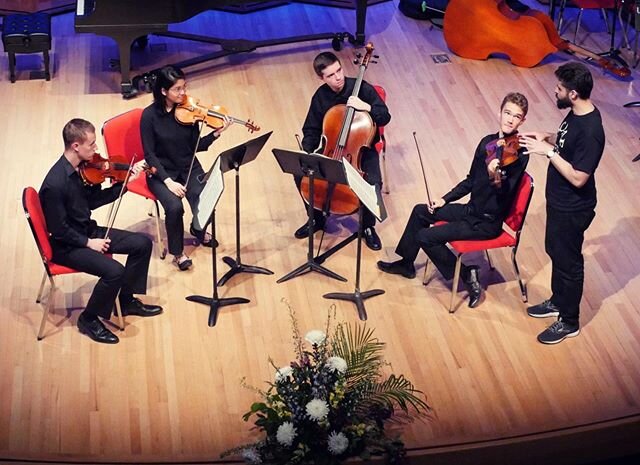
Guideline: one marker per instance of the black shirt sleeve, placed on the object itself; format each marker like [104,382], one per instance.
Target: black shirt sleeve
[149,143]
[53,202]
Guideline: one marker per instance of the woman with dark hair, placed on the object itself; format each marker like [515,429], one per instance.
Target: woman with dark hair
[169,147]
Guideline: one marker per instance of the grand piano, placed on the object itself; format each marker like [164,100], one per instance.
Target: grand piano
[127,21]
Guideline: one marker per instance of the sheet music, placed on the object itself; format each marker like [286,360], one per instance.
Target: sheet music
[368,194]
[210,195]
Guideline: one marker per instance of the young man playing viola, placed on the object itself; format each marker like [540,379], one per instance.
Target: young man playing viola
[480,218]
[79,243]
[336,90]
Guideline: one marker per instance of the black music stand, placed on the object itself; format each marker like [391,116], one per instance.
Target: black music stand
[315,167]
[379,211]
[232,159]
[207,215]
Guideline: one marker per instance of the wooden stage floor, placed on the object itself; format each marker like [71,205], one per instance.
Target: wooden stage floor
[170,391]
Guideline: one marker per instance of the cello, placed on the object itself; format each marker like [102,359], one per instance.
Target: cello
[345,132]
[480,28]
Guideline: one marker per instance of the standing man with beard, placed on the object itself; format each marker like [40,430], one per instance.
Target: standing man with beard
[574,153]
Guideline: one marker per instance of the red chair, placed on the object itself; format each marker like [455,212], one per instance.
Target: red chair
[122,137]
[35,217]
[381,145]
[602,5]
[508,238]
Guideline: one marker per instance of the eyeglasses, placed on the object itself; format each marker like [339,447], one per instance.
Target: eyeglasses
[178,90]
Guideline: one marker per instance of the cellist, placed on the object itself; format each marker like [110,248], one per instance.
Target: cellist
[335,90]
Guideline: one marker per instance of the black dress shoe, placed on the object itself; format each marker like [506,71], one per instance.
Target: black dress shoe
[202,238]
[303,231]
[398,267]
[136,307]
[472,283]
[372,239]
[96,330]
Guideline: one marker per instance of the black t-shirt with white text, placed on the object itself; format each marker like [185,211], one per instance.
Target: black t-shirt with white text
[580,141]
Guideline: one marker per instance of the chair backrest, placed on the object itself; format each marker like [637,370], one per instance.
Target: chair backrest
[383,95]
[589,4]
[35,217]
[518,211]
[122,135]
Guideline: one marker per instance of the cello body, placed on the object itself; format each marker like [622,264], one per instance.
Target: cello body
[478,28]
[362,131]
[345,132]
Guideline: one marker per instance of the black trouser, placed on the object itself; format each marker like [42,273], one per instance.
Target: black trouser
[370,165]
[419,233]
[563,243]
[172,204]
[114,277]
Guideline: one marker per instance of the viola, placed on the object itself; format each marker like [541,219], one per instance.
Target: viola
[480,28]
[345,132]
[505,150]
[190,111]
[98,169]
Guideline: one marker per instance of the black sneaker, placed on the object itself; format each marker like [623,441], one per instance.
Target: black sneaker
[558,332]
[398,267]
[543,310]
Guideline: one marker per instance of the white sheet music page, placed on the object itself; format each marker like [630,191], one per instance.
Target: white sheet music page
[365,191]
[210,195]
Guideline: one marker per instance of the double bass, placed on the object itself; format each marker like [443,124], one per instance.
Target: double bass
[345,132]
[476,29]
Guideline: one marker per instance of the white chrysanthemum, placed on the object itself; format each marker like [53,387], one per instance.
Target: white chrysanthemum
[251,455]
[286,433]
[337,442]
[315,336]
[337,364]
[317,409]
[282,373]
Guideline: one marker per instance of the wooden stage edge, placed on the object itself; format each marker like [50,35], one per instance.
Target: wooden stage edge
[597,442]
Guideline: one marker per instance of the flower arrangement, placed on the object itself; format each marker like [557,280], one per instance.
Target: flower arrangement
[332,402]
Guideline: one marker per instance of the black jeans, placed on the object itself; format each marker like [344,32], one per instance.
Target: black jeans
[114,277]
[419,233]
[564,237]
[172,205]
[370,165]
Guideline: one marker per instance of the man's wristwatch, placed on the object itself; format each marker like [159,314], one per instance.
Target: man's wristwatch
[551,153]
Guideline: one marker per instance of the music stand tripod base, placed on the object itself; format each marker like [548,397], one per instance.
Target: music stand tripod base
[215,304]
[357,298]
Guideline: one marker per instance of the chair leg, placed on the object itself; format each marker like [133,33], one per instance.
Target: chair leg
[161,244]
[39,297]
[523,287]
[47,307]
[575,34]
[425,281]
[385,178]
[491,267]
[118,311]
[454,284]
[561,16]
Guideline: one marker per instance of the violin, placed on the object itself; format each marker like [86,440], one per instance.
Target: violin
[98,169]
[505,150]
[345,132]
[190,111]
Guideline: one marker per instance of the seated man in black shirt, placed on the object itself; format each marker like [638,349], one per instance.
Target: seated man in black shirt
[481,218]
[336,90]
[79,243]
